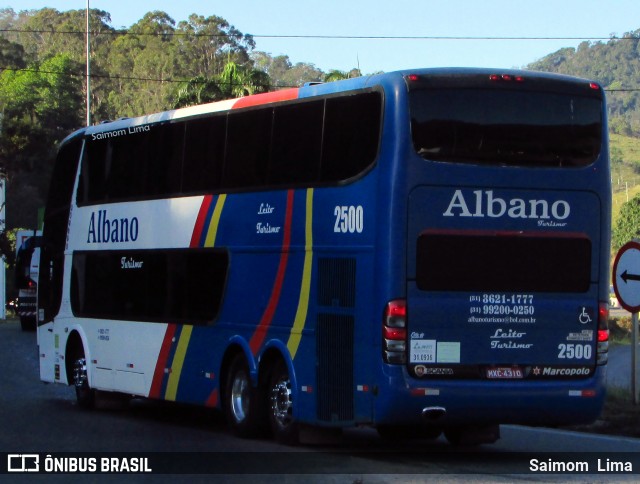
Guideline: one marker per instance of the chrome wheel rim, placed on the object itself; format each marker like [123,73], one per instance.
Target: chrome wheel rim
[282,403]
[80,373]
[240,392]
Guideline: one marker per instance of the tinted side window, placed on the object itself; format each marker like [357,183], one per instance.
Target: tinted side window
[302,143]
[296,144]
[176,285]
[248,146]
[138,162]
[351,135]
[203,154]
[56,220]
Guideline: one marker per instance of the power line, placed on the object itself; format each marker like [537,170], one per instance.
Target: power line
[324,37]
[133,78]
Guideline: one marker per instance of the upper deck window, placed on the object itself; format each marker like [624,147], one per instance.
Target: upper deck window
[506,126]
[320,141]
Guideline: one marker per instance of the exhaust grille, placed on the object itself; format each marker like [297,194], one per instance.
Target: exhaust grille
[335,367]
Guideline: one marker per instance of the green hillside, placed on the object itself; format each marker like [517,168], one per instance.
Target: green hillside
[625,170]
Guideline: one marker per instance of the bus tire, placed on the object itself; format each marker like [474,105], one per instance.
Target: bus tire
[280,406]
[28,323]
[241,399]
[85,395]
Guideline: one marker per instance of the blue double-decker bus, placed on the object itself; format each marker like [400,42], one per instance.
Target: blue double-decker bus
[422,252]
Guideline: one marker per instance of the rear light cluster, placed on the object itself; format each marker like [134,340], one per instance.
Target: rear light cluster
[394,332]
[602,351]
[506,78]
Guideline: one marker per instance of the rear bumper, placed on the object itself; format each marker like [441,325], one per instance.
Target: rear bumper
[403,400]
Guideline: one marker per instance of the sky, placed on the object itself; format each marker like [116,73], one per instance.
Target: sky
[568,22]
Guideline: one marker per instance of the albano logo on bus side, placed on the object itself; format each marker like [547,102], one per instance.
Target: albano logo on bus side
[483,203]
[102,229]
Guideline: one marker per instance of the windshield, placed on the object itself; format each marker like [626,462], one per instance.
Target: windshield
[506,127]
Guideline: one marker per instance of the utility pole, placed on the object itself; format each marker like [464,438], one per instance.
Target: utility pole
[3,227]
[88,71]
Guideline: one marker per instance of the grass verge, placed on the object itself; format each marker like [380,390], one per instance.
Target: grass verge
[620,416]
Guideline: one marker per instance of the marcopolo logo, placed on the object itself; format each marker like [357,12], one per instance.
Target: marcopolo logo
[483,203]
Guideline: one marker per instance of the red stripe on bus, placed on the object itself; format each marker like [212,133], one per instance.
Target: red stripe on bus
[266,98]
[261,330]
[161,364]
[200,221]
[212,401]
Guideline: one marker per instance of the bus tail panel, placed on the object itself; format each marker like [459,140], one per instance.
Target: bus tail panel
[503,284]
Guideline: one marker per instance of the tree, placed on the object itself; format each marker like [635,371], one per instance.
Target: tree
[206,44]
[40,106]
[283,73]
[11,55]
[336,75]
[198,90]
[628,225]
[236,81]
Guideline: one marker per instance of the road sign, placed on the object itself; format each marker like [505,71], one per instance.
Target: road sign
[626,276]
[626,284]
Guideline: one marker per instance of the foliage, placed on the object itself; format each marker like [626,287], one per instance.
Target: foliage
[154,65]
[616,65]
[336,75]
[628,225]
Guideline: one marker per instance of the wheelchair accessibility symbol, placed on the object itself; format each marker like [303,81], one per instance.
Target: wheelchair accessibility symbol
[586,315]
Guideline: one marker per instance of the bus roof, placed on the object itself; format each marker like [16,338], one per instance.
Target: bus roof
[311,91]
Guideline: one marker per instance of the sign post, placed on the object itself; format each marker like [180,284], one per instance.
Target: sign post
[626,284]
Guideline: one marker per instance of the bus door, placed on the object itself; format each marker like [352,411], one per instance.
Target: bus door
[502,283]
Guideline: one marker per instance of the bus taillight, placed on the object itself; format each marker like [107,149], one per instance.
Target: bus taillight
[394,332]
[506,77]
[602,352]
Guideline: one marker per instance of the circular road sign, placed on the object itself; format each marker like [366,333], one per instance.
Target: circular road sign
[626,276]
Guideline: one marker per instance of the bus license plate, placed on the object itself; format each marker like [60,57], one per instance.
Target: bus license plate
[504,373]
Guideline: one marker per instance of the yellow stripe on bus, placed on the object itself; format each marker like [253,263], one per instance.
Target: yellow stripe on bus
[305,286]
[178,361]
[215,221]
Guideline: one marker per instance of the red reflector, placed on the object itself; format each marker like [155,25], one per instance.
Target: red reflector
[412,77]
[398,334]
[588,393]
[603,312]
[603,335]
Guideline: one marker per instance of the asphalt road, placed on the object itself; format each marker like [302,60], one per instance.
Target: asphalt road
[40,418]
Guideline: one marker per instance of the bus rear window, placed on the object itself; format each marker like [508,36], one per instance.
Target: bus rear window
[506,127]
[518,262]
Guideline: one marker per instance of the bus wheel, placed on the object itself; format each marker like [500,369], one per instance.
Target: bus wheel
[84,394]
[28,323]
[280,402]
[241,399]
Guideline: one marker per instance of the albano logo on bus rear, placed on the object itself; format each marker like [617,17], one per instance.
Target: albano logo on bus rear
[483,203]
